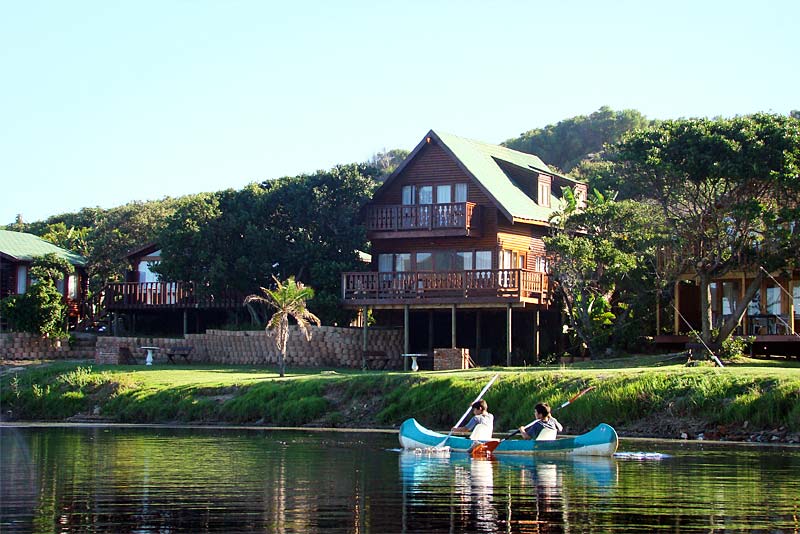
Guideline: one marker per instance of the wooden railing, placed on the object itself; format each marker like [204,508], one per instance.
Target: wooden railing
[481,283]
[458,215]
[165,295]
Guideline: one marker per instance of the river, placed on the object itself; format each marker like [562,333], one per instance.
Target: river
[75,479]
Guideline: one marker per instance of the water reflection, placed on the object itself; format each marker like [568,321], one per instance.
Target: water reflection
[503,493]
[76,480]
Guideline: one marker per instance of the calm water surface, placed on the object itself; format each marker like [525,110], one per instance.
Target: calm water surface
[155,480]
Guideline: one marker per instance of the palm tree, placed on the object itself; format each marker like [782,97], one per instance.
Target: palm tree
[289,299]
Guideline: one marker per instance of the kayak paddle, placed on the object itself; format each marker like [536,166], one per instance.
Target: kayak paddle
[485,388]
[484,448]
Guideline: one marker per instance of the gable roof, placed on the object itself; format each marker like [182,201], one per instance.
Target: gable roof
[480,161]
[20,246]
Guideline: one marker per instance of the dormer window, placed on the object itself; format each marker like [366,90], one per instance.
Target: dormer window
[543,194]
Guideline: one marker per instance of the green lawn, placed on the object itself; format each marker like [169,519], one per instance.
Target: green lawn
[648,395]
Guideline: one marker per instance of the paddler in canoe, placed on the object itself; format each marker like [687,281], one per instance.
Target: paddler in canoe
[481,425]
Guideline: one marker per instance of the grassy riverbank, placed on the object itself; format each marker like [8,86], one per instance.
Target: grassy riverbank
[646,396]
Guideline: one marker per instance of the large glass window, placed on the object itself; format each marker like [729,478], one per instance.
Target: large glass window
[22,279]
[424,261]
[73,286]
[426,194]
[796,296]
[385,262]
[403,262]
[483,259]
[730,297]
[461,193]
[774,300]
[714,287]
[754,306]
[408,195]
[463,261]
[443,261]
[443,194]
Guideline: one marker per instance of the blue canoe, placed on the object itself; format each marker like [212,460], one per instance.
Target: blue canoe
[602,440]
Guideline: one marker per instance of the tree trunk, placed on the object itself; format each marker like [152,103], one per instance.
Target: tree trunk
[705,307]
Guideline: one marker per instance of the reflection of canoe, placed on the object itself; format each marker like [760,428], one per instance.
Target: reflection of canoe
[600,441]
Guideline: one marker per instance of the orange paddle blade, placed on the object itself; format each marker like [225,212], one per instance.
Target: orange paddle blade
[484,449]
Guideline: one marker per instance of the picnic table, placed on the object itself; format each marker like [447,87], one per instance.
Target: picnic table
[182,351]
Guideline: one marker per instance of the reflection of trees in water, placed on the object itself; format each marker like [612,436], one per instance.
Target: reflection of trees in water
[18,483]
[134,480]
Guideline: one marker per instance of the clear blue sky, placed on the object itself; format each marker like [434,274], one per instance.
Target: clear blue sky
[102,103]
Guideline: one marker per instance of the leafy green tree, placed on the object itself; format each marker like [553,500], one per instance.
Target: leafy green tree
[70,238]
[729,193]
[570,141]
[289,300]
[601,257]
[41,309]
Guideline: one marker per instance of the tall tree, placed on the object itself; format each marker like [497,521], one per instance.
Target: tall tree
[289,300]
[601,258]
[729,191]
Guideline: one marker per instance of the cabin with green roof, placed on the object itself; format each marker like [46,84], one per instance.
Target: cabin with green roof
[458,258]
[18,250]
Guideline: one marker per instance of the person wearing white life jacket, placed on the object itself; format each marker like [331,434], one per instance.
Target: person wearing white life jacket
[545,422]
[482,423]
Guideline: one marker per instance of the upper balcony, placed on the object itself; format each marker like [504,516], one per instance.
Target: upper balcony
[480,286]
[424,220]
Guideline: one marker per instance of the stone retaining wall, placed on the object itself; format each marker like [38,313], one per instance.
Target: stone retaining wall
[329,347]
[25,346]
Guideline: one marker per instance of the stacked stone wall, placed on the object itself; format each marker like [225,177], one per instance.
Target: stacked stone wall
[25,346]
[329,347]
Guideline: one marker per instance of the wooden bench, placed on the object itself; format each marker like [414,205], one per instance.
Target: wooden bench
[183,352]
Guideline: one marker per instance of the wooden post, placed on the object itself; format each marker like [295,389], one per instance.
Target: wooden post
[430,331]
[133,324]
[658,312]
[453,326]
[508,334]
[114,323]
[677,322]
[185,322]
[406,340]
[364,339]
[478,334]
[536,329]
[791,285]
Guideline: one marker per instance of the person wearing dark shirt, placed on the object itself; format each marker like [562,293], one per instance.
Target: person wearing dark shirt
[544,421]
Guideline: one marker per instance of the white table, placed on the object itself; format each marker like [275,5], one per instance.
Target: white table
[150,351]
[414,364]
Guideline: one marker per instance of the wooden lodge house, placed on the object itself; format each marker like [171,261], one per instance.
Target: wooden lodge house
[458,257]
[17,252]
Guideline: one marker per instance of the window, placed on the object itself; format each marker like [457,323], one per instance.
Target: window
[408,195]
[461,193]
[483,259]
[385,262]
[754,306]
[714,288]
[73,286]
[424,261]
[730,297]
[541,264]
[443,261]
[443,194]
[796,295]
[774,300]
[426,194]
[463,261]
[544,195]
[403,262]
[22,279]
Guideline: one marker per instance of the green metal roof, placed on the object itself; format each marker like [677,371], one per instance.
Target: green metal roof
[26,247]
